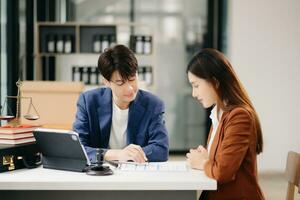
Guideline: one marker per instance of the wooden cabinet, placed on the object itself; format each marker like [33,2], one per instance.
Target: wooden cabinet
[54,101]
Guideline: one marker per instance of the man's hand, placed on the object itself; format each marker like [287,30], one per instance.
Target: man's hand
[131,152]
[197,158]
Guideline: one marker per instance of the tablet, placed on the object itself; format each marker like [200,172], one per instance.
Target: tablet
[61,149]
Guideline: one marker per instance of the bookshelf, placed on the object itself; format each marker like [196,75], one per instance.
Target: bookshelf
[82,37]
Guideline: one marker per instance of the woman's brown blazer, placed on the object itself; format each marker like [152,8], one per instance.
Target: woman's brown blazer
[232,158]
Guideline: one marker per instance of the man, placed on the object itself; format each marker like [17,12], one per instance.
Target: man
[125,121]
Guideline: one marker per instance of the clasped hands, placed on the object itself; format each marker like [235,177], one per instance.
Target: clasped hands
[131,152]
[197,158]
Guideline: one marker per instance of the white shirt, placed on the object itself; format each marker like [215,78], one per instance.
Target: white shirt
[215,123]
[118,129]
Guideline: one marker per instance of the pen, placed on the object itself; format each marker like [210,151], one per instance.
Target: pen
[116,163]
[133,163]
[113,163]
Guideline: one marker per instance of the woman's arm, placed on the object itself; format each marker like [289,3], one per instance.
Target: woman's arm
[238,131]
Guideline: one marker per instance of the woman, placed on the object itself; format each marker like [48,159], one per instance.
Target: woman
[235,137]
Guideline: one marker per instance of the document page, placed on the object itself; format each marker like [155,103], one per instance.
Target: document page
[154,167]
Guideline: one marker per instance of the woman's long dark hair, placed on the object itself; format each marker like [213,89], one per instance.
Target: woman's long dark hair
[212,65]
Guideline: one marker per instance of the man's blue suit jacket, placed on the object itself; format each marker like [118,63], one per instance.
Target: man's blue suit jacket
[146,126]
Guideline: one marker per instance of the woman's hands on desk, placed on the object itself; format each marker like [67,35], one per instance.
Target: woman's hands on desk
[197,158]
[131,152]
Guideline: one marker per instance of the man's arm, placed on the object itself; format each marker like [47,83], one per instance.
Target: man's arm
[131,152]
[157,148]
[81,126]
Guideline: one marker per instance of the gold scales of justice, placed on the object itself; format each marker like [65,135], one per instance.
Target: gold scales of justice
[14,120]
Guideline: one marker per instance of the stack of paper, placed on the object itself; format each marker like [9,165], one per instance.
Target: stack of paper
[153,167]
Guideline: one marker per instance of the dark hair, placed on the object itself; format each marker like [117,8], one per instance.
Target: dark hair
[212,65]
[118,58]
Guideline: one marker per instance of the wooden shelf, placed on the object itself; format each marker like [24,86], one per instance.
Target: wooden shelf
[82,41]
[81,34]
[65,54]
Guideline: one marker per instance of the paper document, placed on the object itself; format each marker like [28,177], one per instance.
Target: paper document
[154,167]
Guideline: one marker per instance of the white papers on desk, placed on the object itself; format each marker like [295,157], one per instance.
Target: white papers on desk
[153,167]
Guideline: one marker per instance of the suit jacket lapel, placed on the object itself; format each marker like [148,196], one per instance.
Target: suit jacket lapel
[136,112]
[209,136]
[217,138]
[105,116]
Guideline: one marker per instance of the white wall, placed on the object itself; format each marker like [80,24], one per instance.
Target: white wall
[264,48]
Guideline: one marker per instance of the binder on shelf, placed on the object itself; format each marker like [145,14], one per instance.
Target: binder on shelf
[68,43]
[97,72]
[93,76]
[147,45]
[66,38]
[59,44]
[145,74]
[141,44]
[112,40]
[50,42]
[148,75]
[87,74]
[96,44]
[104,42]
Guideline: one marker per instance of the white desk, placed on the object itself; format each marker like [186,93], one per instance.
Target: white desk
[122,185]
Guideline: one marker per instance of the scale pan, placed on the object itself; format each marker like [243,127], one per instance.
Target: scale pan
[31,117]
[6,117]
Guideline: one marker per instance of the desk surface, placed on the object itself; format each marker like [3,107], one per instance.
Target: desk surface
[48,179]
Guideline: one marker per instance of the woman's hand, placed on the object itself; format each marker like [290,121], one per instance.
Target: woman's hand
[197,158]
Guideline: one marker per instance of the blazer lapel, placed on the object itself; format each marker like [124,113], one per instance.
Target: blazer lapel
[136,112]
[105,116]
[209,136]
[216,139]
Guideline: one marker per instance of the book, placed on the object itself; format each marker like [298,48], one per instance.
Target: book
[19,129]
[17,141]
[16,135]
